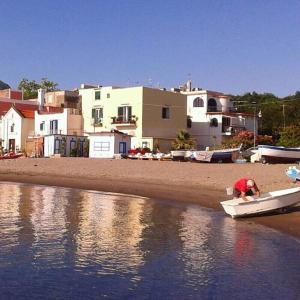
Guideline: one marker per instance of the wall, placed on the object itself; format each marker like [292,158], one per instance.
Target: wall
[102,139]
[153,123]
[49,144]
[89,102]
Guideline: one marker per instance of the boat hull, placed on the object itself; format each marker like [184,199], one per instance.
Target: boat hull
[272,154]
[266,203]
[217,156]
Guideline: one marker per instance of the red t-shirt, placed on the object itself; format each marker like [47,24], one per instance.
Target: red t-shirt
[241,185]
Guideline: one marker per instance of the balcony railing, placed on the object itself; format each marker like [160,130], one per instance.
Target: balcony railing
[124,121]
[231,130]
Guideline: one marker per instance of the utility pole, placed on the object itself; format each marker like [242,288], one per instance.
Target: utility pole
[283,113]
[254,128]
[254,124]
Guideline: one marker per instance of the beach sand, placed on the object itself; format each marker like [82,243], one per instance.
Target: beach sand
[199,183]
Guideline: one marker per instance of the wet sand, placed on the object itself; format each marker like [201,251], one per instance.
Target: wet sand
[199,183]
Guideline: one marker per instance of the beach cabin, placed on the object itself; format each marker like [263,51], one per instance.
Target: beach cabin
[65,145]
[109,144]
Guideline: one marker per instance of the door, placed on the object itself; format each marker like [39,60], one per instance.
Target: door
[12,145]
[122,148]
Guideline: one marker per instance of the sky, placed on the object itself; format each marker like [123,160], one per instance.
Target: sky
[230,46]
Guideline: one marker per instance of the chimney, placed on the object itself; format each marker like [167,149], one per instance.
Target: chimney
[189,85]
[41,97]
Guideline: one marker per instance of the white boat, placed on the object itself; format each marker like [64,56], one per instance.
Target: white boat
[277,154]
[277,200]
[217,156]
[178,154]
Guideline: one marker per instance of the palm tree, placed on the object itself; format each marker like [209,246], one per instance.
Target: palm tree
[183,141]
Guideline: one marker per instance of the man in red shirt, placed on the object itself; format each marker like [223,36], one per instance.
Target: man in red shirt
[245,187]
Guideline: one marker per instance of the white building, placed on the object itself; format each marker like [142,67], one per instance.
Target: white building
[67,121]
[108,143]
[212,118]
[15,127]
[65,145]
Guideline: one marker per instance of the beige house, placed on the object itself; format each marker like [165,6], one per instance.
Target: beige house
[152,117]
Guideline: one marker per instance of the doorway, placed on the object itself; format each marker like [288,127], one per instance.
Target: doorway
[12,145]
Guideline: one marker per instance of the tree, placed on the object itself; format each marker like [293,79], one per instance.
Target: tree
[48,85]
[183,141]
[30,88]
[290,136]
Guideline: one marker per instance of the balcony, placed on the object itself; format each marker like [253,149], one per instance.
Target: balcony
[232,130]
[124,121]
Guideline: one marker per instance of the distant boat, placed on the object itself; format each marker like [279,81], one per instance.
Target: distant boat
[179,154]
[11,156]
[277,200]
[277,154]
[217,156]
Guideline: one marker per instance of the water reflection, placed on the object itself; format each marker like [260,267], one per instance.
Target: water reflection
[74,244]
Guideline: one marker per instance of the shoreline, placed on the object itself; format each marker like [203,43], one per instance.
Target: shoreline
[201,184]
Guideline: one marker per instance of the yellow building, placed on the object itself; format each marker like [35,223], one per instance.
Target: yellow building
[151,116]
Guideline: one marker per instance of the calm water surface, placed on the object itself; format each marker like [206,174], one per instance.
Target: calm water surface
[61,243]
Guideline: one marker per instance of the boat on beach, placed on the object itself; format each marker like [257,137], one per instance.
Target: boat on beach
[277,200]
[11,155]
[276,154]
[217,156]
[180,154]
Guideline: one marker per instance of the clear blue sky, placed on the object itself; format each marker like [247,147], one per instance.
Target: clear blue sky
[232,46]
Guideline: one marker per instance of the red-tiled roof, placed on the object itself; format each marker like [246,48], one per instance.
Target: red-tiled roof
[29,114]
[28,109]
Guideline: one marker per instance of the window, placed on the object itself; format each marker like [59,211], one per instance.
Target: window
[53,126]
[166,112]
[124,113]
[108,96]
[12,127]
[198,102]
[144,145]
[214,122]
[101,146]
[211,105]
[97,115]
[97,95]
[42,126]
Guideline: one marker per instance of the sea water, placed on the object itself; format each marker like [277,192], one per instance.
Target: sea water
[59,243]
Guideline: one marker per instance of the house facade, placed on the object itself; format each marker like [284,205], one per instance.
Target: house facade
[16,124]
[65,145]
[66,121]
[152,117]
[212,118]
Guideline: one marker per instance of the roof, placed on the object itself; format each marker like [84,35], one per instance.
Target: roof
[107,133]
[26,110]
[230,114]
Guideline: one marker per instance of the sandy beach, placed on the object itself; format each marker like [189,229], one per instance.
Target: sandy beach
[203,184]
